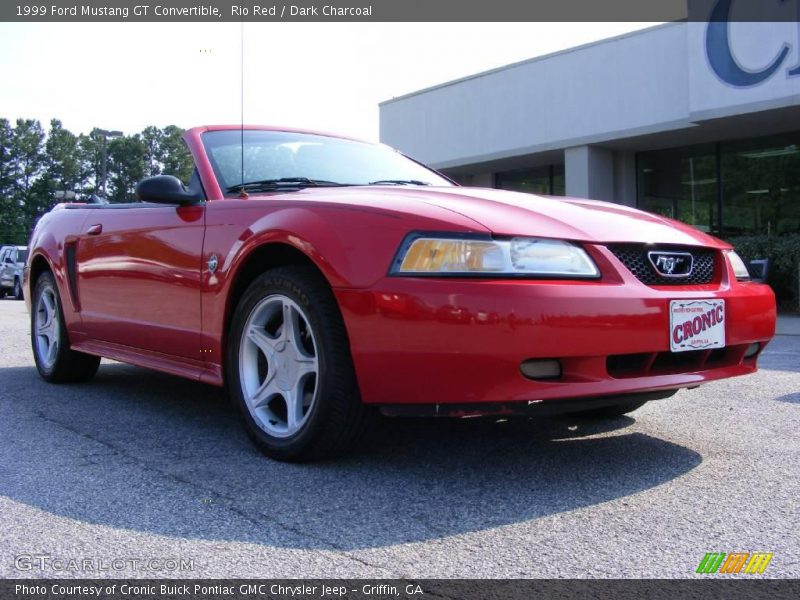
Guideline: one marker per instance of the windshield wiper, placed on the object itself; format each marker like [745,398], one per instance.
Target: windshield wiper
[283,183]
[398,182]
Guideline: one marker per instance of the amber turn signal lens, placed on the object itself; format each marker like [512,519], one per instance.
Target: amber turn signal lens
[428,255]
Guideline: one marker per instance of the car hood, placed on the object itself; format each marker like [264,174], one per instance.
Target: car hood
[516,214]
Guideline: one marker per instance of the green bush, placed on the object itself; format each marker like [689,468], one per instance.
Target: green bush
[784,254]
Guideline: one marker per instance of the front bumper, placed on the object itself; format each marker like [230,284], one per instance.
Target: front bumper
[461,341]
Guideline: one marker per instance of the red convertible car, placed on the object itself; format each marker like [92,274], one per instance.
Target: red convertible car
[321,277]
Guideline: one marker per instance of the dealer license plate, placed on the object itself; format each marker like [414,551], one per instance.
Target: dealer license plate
[696,324]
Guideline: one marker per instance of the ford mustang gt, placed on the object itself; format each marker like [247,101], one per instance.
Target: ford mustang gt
[322,278]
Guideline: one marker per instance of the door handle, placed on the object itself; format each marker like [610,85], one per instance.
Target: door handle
[95,229]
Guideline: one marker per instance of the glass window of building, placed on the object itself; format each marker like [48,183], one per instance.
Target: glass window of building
[558,181]
[461,178]
[681,183]
[757,191]
[761,186]
[547,180]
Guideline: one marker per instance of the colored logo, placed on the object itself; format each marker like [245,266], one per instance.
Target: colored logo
[751,563]
[721,56]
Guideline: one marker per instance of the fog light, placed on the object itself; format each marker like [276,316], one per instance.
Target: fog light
[752,350]
[541,369]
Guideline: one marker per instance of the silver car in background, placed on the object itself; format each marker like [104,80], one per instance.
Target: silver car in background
[12,264]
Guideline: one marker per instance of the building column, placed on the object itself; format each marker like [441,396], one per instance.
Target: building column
[625,178]
[485,180]
[589,172]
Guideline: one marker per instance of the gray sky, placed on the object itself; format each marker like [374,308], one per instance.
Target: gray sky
[327,76]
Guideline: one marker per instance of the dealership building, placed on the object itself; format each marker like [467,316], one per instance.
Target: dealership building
[695,120]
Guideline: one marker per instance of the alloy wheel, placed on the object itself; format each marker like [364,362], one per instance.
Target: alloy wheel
[46,327]
[278,366]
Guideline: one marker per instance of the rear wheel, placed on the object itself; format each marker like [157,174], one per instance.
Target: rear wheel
[289,368]
[56,362]
[17,292]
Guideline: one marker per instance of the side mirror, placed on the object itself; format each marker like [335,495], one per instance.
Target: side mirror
[164,189]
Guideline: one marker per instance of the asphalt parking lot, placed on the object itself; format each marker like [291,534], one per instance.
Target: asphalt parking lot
[139,465]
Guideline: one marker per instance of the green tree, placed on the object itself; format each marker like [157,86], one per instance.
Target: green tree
[153,138]
[62,159]
[35,166]
[6,158]
[177,159]
[12,226]
[90,157]
[28,160]
[63,169]
[127,158]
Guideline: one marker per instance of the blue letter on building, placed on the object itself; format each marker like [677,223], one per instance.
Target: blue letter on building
[720,55]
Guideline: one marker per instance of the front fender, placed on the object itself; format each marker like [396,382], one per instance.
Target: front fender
[299,228]
[352,246]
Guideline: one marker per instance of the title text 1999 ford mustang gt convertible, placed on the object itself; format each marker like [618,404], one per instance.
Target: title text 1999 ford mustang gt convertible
[319,277]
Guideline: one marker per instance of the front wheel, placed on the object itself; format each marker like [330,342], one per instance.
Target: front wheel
[56,362]
[289,368]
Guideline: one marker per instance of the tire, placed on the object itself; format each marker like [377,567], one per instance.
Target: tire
[56,362]
[17,293]
[289,368]
[610,412]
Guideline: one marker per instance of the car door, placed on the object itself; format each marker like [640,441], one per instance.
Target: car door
[138,272]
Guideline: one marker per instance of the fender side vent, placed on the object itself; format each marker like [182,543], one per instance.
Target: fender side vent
[72,275]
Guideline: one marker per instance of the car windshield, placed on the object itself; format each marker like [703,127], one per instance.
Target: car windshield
[285,160]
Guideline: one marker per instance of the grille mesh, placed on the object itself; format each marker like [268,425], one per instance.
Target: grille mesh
[634,257]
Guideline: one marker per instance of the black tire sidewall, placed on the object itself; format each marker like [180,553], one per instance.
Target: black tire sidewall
[70,366]
[46,280]
[302,288]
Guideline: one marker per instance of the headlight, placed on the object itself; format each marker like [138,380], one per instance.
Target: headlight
[739,268]
[429,255]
